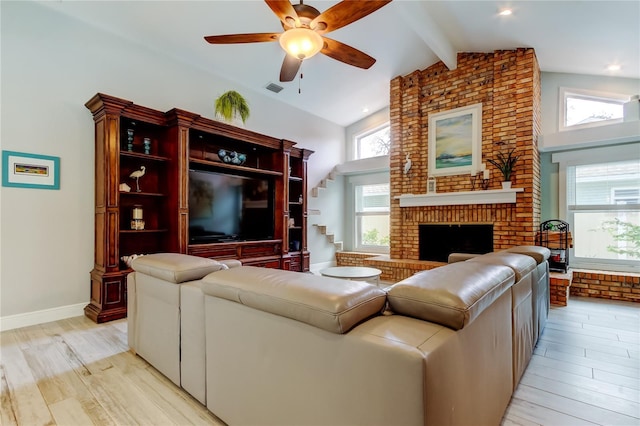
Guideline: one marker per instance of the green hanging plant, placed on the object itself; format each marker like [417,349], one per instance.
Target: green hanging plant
[231,105]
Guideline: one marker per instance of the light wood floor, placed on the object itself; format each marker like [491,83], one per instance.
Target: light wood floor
[586,370]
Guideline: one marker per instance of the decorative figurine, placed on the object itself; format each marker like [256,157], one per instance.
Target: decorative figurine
[128,259]
[407,164]
[137,175]
[129,140]
[137,222]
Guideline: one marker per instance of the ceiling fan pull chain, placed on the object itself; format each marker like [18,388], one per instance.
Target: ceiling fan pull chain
[300,79]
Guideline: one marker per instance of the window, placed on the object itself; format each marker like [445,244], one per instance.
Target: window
[603,206]
[373,143]
[626,196]
[586,108]
[372,217]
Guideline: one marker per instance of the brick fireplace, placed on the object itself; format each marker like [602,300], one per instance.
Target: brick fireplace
[507,83]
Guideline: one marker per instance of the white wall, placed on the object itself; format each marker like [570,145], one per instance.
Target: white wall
[51,65]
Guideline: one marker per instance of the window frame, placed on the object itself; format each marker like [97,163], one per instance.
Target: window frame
[566,211]
[607,97]
[365,133]
[354,226]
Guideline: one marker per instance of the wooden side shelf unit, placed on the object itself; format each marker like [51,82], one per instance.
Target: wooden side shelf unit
[166,147]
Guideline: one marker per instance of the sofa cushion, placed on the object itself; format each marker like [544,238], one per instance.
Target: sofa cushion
[331,304]
[539,254]
[175,267]
[521,264]
[452,295]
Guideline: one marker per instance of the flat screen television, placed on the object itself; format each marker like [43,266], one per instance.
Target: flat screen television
[225,207]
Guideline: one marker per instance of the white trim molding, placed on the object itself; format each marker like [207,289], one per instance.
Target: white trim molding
[364,165]
[491,196]
[26,319]
[611,134]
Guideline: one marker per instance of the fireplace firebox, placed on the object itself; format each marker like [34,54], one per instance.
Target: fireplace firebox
[438,241]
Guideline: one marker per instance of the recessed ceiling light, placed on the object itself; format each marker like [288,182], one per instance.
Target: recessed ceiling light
[505,12]
[365,109]
[614,67]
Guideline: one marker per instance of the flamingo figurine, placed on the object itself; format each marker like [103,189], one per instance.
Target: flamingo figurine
[137,175]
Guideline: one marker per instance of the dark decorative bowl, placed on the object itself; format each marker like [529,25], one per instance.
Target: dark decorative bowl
[232,157]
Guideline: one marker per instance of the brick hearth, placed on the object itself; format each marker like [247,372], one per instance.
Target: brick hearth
[393,270]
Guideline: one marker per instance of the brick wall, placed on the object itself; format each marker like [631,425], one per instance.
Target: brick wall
[559,285]
[507,83]
[393,270]
[606,285]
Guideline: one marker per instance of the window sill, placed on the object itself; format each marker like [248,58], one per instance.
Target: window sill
[628,131]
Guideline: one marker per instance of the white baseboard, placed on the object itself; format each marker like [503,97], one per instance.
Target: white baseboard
[38,317]
[315,268]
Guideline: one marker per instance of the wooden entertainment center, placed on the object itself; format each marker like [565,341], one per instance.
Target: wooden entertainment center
[163,147]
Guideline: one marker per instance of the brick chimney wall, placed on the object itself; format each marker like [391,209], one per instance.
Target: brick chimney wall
[507,83]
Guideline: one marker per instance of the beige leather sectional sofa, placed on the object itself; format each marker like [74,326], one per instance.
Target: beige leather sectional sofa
[269,347]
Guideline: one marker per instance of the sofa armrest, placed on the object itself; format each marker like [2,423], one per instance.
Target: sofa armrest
[175,267]
[461,257]
[231,263]
[328,303]
[452,295]
[539,254]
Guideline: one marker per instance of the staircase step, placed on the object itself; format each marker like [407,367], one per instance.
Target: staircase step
[321,228]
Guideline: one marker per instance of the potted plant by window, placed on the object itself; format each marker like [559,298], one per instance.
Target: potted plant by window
[506,164]
[231,106]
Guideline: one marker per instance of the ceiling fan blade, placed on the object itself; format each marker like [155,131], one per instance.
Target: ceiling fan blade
[242,38]
[347,54]
[345,13]
[290,67]
[285,12]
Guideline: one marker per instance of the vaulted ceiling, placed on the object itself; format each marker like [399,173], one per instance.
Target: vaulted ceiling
[582,37]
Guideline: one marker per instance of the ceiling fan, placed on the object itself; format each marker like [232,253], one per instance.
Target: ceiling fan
[304,29]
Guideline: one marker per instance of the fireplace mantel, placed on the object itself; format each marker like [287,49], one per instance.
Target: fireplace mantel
[491,196]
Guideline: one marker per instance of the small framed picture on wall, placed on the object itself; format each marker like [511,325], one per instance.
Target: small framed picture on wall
[25,170]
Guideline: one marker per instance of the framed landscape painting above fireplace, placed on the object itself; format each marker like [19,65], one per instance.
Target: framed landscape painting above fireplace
[455,141]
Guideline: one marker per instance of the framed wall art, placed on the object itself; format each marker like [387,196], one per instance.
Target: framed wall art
[23,170]
[455,141]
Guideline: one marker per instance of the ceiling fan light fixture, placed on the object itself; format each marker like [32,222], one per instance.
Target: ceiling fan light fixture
[301,43]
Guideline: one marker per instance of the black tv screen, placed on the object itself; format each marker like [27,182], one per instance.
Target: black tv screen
[225,207]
